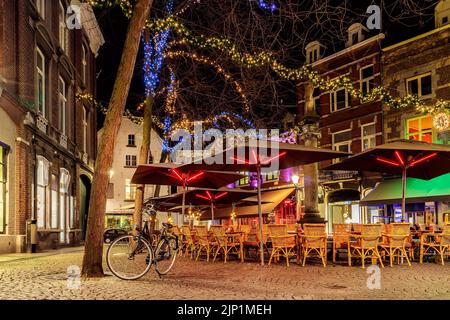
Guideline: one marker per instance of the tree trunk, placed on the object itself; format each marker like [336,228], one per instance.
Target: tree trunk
[93,251]
[163,159]
[143,159]
[311,170]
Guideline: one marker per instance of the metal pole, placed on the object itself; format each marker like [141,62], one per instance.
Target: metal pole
[261,243]
[212,212]
[184,198]
[404,195]
[297,203]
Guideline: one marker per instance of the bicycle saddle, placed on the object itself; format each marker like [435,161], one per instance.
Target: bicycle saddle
[167,225]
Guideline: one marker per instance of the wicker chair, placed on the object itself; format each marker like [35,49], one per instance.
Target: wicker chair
[356,227]
[341,234]
[189,244]
[283,244]
[226,244]
[204,243]
[395,241]
[440,244]
[366,245]
[292,227]
[314,242]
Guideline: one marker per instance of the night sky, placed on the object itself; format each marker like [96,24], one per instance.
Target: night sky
[114,26]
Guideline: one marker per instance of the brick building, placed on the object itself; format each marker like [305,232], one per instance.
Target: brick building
[345,123]
[47,137]
[419,66]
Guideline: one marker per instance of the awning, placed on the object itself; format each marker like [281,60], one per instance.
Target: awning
[341,195]
[390,191]
[271,199]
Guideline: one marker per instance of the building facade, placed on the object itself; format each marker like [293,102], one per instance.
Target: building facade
[420,66]
[344,123]
[121,193]
[47,137]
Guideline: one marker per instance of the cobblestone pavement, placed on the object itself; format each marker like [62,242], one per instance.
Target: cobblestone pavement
[45,277]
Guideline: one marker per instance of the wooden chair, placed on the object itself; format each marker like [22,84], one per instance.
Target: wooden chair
[189,243]
[314,242]
[437,242]
[282,243]
[366,245]
[394,243]
[226,243]
[341,234]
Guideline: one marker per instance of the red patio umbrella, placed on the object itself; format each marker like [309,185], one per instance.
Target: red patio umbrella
[405,157]
[253,156]
[175,175]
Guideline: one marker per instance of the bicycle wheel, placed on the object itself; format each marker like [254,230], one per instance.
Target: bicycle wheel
[165,255]
[129,258]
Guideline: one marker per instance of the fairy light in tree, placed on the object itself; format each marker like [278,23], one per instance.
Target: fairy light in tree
[441,121]
[267,5]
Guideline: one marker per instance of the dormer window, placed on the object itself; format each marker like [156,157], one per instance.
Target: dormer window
[314,52]
[356,34]
[442,13]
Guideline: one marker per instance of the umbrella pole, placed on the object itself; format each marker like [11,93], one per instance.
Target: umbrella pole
[184,199]
[212,212]
[261,243]
[404,218]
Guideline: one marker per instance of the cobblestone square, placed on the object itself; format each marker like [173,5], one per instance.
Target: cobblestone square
[45,277]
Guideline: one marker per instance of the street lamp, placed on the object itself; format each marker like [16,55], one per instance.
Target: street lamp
[295,180]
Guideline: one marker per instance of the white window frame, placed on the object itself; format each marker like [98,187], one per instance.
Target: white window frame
[62,97]
[369,136]
[42,165]
[62,27]
[368,81]
[133,136]
[336,145]
[84,63]
[419,84]
[85,125]
[333,100]
[40,72]
[129,160]
[40,6]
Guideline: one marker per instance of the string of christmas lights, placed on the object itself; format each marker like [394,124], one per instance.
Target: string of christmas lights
[219,69]
[267,5]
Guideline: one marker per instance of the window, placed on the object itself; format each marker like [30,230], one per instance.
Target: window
[62,27]
[130,190]
[272,176]
[3,185]
[43,166]
[62,105]
[355,38]
[342,141]
[40,6]
[110,193]
[317,105]
[130,161]
[367,76]
[40,82]
[420,129]
[368,136]
[340,99]
[131,140]
[244,181]
[84,64]
[54,203]
[64,203]
[420,85]
[85,126]
[444,20]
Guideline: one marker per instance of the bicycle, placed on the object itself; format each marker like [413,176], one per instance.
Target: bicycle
[130,257]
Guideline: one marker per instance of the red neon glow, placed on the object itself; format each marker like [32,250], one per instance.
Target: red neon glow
[240,160]
[198,175]
[209,195]
[399,158]
[177,174]
[273,158]
[202,197]
[415,162]
[387,161]
[220,195]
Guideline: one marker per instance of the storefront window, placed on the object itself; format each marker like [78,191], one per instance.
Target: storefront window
[3,180]
[54,209]
[343,212]
[420,129]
